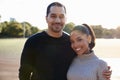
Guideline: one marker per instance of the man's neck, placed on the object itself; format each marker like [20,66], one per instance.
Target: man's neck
[54,34]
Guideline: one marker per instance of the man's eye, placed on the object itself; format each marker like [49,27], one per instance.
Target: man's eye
[53,16]
[61,16]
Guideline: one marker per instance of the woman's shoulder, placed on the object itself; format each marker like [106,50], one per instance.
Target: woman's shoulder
[102,63]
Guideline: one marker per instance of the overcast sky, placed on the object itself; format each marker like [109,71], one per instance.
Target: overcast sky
[95,12]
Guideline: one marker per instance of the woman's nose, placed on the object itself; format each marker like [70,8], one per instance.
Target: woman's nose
[75,45]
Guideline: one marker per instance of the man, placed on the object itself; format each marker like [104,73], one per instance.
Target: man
[47,55]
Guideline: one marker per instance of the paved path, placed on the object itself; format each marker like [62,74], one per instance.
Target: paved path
[9,68]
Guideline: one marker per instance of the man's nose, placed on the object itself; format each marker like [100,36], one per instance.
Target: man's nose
[57,19]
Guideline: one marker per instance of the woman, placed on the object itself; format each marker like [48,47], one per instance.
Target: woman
[86,66]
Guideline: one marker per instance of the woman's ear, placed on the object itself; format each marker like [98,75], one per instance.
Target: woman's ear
[89,39]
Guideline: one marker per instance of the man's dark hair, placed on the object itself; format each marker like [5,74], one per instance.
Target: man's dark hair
[54,4]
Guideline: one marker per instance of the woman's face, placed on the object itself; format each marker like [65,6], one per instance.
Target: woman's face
[79,42]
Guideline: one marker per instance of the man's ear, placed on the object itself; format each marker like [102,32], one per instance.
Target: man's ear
[89,39]
[46,19]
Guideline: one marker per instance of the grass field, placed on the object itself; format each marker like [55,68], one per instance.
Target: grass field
[10,52]
[107,48]
[11,47]
[104,47]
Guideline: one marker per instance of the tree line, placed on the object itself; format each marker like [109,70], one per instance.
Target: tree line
[100,32]
[14,29]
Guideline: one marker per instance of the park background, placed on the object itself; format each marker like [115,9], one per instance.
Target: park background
[21,18]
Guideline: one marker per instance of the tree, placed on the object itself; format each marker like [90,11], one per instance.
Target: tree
[98,30]
[3,27]
[26,29]
[0,28]
[14,29]
[118,32]
[34,30]
[68,27]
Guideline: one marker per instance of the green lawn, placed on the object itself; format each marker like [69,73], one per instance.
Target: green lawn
[104,47]
[11,47]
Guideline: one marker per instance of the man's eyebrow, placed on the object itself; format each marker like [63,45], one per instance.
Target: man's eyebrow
[52,13]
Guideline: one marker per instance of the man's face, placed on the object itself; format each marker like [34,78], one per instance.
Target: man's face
[56,19]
